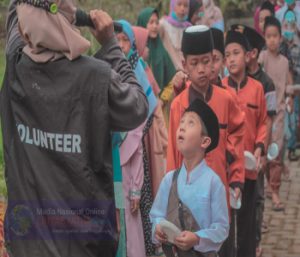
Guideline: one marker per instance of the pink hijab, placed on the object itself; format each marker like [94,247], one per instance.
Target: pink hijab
[141,39]
[50,37]
[173,20]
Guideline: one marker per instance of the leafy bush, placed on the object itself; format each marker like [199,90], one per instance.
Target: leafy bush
[4,3]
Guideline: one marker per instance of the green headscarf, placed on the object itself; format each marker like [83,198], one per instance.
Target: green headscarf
[159,59]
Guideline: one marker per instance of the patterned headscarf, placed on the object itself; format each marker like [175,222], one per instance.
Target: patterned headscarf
[138,67]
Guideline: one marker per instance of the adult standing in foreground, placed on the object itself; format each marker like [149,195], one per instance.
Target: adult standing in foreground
[60,197]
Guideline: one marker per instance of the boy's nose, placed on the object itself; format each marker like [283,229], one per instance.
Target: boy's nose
[200,69]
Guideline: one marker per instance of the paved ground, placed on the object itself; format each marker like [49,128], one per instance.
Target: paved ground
[283,238]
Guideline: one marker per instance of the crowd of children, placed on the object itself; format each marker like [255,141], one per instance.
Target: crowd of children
[190,180]
[214,99]
[221,127]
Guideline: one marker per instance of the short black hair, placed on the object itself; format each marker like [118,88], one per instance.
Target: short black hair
[267,5]
[218,37]
[272,21]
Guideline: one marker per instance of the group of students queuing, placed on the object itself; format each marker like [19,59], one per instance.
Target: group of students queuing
[212,96]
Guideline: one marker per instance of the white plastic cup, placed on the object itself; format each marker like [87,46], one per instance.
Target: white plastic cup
[250,161]
[273,152]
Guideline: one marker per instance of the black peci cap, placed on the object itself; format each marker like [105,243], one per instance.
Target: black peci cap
[210,120]
[197,40]
[237,37]
[255,40]
[218,38]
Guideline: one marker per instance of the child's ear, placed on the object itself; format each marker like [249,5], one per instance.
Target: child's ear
[206,142]
[184,64]
[247,56]
[255,53]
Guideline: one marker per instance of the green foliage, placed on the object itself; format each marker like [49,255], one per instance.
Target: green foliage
[126,9]
[3,191]
[119,9]
[238,8]
[4,3]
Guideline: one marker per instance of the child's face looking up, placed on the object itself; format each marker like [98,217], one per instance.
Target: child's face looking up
[190,135]
[273,38]
[181,8]
[199,68]
[235,58]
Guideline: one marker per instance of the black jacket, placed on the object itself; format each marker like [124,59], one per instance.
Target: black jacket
[57,120]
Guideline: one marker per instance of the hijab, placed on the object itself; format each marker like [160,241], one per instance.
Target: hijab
[174,20]
[48,36]
[141,36]
[159,59]
[194,6]
[213,16]
[138,67]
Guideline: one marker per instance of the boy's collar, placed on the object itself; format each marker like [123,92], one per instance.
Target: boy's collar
[193,174]
[256,72]
[235,85]
[219,82]
[259,70]
[273,54]
[193,94]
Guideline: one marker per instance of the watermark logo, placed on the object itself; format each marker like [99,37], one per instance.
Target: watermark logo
[59,220]
[21,218]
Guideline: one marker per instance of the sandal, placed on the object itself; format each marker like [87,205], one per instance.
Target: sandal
[279,206]
[286,178]
[269,195]
[286,174]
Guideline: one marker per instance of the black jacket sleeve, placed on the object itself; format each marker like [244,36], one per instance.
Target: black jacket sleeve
[127,101]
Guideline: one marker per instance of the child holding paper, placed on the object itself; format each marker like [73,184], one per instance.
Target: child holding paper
[202,215]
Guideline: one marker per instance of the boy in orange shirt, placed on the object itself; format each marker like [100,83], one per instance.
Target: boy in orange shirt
[197,46]
[250,95]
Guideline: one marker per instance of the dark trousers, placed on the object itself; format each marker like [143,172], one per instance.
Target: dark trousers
[260,205]
[246,221]
[228,248]
[172,251]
